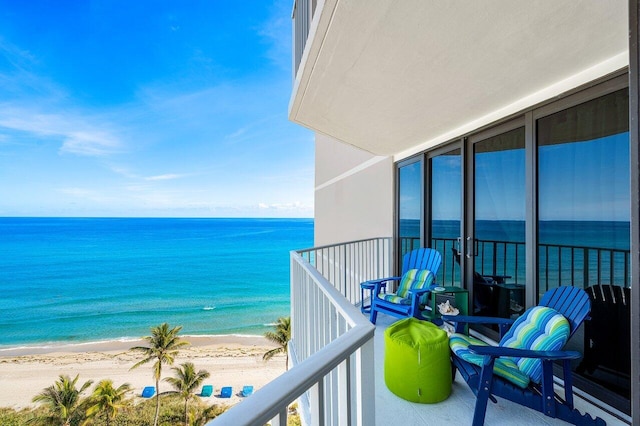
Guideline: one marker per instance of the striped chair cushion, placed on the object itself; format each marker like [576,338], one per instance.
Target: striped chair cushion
[539,328]
[413,279]
[503,367]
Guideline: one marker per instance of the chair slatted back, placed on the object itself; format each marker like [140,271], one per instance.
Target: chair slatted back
[422,258]
[572,302]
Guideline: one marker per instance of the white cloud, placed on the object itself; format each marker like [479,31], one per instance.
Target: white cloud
[277,33]
[17,57]
[294,206]
[168,176]
[87,143]
[237,133]
[80,135]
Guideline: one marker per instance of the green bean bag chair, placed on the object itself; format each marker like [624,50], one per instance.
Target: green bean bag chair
[416,361]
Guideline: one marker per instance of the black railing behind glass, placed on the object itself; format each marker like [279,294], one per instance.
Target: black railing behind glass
[559,264]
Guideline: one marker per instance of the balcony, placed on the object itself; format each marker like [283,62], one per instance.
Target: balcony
[337,373]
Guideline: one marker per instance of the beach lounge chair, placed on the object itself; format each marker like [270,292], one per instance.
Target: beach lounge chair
[207,390]
[419,268]
[148,391]
[246,390]
[226,392]
[523,360]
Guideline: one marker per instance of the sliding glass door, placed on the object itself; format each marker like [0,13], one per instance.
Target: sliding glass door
[410,206]
[583,230]
[445,178]
[496,242]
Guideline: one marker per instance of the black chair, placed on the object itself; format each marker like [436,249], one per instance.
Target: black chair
[607,346]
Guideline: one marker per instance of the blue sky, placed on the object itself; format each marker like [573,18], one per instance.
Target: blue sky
[150,108]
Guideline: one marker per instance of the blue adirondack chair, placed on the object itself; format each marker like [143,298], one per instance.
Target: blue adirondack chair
[419,268]
[520,369]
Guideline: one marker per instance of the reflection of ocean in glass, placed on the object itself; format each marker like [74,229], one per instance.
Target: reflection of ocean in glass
[564,246]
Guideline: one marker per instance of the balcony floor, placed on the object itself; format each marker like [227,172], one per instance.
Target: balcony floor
[458,408]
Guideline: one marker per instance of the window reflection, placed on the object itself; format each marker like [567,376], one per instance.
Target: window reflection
[446,180]
[499,206]
[410,206]
[583,227]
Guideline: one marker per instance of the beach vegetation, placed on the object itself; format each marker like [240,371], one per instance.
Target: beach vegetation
[186,381]
[280,336]
[11,417]
[164,345]
[131,414]
[106,401]
[293,416]
[199,417]
[171,413]
[63,401]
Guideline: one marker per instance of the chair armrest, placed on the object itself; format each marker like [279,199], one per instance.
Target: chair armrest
[379,284]
[498,351]
[382,280]
[498,279]
[477,320]
[462,320]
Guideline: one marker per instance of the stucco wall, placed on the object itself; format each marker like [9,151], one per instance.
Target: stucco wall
[353,193]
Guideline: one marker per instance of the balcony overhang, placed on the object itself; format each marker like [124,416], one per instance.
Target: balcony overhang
[396,77]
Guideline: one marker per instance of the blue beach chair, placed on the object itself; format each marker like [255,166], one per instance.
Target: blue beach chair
[247,390]
[148,391]
[419,268]
[226,392]
[207,390]
[520,368]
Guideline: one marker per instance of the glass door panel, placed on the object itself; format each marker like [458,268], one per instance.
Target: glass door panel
[410,194]
[583,230]
[498,244]
[446,190]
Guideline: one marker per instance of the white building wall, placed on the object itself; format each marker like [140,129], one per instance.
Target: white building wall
[354,193]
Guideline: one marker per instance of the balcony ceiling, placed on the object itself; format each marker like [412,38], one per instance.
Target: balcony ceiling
[392,76]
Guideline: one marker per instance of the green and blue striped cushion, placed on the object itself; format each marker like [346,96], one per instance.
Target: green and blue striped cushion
[503,367]
[413,279]
[541,329]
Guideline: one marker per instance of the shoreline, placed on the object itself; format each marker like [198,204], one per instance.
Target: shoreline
[232,360]
[123,343]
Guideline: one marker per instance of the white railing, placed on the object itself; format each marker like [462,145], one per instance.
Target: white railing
[346,265]
[332,377]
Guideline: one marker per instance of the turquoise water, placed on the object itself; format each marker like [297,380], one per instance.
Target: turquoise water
[70,280]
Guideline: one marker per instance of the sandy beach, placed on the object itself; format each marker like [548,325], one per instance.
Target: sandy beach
[231,360]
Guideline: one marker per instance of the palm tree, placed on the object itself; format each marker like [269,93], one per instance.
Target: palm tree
[62,399]
[186,382]
[107,400]
[281,337]
[164,344]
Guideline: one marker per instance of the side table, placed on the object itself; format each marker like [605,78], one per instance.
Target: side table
[367,287]
[458,298]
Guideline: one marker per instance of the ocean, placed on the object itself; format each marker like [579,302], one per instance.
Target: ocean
[76,280]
